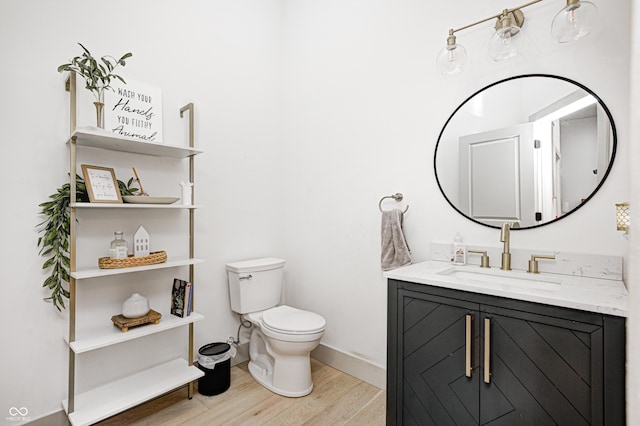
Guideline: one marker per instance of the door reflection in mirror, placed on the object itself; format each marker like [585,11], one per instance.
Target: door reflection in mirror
[527,150]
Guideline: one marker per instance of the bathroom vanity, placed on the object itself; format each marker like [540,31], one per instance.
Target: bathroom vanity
[473,346]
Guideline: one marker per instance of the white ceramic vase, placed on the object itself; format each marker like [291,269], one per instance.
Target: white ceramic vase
[135,306]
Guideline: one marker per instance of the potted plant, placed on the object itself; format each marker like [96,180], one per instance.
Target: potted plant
[54,243]
[97,75]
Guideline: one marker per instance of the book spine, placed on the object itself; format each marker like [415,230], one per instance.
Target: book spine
[178,298]
[187,299]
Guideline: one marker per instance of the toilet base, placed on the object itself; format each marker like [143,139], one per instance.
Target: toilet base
[265,378]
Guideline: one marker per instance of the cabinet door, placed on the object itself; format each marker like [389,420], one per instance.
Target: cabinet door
[544,370]
[436,389]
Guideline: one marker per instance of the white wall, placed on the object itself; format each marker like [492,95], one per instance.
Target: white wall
[309,112]
[633,323]
[363,114]
[223,56]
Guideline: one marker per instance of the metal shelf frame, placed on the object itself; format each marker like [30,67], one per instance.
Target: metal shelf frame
[94,139]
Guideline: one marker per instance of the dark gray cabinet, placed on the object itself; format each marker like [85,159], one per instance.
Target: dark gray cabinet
[459,358]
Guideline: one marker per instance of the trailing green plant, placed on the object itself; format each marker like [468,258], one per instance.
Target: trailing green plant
[97,75]
[54,243]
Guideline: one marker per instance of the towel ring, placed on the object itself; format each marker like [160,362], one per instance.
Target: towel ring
[397,196]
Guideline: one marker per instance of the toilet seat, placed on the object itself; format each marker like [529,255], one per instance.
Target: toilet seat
[288,320]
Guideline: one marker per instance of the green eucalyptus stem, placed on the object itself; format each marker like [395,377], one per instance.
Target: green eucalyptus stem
[97,75]
[54,243]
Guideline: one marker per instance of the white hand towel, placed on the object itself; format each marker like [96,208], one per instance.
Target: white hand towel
[395,251]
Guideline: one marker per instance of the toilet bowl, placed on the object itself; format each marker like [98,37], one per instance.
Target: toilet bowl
[282,337]
[279,349]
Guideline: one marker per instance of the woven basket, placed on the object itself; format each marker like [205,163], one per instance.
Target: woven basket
[153,258]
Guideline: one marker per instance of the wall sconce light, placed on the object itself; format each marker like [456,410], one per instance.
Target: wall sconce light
[505,42]
[572,23]
[452,58]
[623,217]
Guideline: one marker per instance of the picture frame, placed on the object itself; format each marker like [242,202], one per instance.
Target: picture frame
[102,185]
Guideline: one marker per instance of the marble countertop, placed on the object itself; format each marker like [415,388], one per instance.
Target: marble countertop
[605,296]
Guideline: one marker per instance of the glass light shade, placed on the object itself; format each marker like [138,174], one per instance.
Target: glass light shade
[574,22]
[505,43]
[451,60]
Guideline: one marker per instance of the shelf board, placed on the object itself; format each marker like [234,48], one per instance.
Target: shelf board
[97,138]
[109,334]
[132,206]
[118,396]
[97,272]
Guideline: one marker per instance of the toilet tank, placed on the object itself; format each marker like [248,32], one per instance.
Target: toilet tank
[255,285]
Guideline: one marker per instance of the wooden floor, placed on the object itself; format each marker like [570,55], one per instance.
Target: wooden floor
[337,399]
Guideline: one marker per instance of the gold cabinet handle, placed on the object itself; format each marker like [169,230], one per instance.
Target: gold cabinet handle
[467,368]
[487,350]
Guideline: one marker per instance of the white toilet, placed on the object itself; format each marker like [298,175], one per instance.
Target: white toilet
[282,337]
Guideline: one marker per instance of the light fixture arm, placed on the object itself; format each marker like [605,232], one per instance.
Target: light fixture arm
[451,40]
[572,23]
[510,18]
[516,10]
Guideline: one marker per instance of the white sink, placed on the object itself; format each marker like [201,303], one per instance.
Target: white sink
[607,296]
[498,276]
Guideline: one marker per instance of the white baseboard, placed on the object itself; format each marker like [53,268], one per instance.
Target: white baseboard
[352,365]
[54,418]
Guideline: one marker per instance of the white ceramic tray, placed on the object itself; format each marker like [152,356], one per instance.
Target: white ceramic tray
[136,199]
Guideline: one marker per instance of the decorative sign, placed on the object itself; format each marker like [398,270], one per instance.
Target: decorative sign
[101,183]
[134,110]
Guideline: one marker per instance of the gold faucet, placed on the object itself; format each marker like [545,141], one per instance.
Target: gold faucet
[505,237]
[533,263]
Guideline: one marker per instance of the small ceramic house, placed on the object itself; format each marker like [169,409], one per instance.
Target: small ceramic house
[141,242]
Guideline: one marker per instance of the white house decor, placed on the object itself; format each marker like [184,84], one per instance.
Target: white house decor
[141,242]
[134,110]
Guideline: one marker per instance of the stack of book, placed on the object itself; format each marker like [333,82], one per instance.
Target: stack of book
[181,298]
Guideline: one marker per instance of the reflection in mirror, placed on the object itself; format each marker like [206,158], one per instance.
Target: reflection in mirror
[527,150]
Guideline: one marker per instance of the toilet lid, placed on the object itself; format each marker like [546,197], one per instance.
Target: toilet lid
[286,319]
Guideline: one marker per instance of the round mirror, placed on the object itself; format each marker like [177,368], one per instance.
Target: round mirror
[527,150]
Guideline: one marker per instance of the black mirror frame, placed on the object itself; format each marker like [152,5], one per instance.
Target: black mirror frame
[583,87]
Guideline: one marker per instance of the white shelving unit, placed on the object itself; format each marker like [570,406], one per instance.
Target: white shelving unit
[108,335]
[97,272]
[100,138]
[131,206]
[107,400]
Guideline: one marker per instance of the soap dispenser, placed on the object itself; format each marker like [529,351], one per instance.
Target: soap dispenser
[459,252]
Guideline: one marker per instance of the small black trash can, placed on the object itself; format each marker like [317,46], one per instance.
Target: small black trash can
[215,360]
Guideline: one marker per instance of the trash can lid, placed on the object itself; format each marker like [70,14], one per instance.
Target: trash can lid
[216,348]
